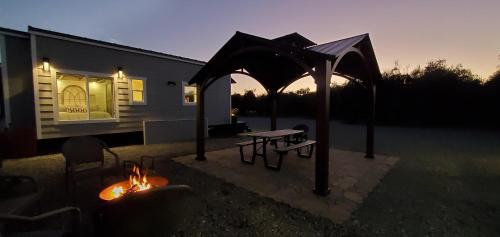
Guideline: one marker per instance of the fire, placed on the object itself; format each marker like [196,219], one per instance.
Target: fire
[137,183]
[117,191]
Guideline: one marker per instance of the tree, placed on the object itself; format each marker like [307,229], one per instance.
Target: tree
[303,91]
[434,94]
[245,103]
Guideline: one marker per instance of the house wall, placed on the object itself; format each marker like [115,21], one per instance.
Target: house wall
[20,126]
[163,102]
[20,82]
[3,80]
[2,109]
[167,131]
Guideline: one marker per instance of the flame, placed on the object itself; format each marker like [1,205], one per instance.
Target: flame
[137,183]
[117,191]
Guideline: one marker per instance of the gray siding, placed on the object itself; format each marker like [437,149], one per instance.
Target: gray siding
[163,102]
[218,102]
[20,82]
[21,131]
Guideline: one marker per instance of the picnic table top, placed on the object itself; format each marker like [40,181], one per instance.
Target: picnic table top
[275,133]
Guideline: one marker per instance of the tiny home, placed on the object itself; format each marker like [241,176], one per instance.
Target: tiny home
[57,85]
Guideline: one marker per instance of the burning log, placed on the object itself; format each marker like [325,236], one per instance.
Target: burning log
[137,182]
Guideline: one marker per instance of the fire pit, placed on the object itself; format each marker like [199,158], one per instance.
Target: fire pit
[136,183]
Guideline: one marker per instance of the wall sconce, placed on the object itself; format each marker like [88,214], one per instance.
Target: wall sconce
[120,72]
[46,64]
[171,83]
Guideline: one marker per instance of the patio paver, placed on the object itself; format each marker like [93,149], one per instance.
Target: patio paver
[352,178]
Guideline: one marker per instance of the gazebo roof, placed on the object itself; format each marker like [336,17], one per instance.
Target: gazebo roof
[294,39]
[338,46]
[276,63]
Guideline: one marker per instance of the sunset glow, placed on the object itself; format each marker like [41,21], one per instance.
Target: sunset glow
[413,33]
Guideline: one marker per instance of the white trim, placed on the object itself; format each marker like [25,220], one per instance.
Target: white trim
[115,97]
[83,73]
[87,95]
[14,34]
[34,63]
[55,95]
[5,82]
[86,74]
[158,55]
[111,120]
[144,91]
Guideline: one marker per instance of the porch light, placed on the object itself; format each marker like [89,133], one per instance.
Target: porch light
[46,64]
[120,72]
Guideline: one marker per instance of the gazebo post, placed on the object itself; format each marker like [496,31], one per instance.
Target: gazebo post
[200,123]
[263,59]
[273,96]
[370,125]
[322,166]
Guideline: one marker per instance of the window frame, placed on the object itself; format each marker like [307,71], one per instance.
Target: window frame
[184,84]
[144,90]
[86,74]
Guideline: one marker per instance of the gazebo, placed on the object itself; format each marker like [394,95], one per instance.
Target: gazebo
[276,63]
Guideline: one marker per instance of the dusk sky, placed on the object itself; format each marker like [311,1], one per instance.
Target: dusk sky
[412,32]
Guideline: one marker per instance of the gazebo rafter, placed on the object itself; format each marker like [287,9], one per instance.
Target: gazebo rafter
[277,63]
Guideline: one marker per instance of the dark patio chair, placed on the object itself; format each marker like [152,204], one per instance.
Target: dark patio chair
[147,166]
[301,137]
[158,212]
[67,220]
[84,158]
[18,194]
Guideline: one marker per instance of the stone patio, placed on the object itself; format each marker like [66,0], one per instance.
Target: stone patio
[352,178]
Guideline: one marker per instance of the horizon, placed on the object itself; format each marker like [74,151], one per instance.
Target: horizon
[113,121]
[410,33]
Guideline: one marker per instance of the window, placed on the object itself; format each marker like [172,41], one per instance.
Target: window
[189,94]
[83,97]
[137,91]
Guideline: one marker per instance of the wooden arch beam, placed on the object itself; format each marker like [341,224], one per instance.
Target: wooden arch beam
[201,87]
[369,85]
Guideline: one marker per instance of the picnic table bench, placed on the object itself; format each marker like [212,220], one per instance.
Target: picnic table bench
[284,150]
[250,142]
[264,137]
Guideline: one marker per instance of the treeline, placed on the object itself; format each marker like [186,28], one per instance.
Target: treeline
[436,94]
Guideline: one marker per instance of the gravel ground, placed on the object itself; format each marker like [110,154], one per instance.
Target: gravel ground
[225,210]
[228,210]
[445,184]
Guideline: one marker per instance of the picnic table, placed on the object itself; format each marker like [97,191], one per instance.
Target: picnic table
[267,136]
